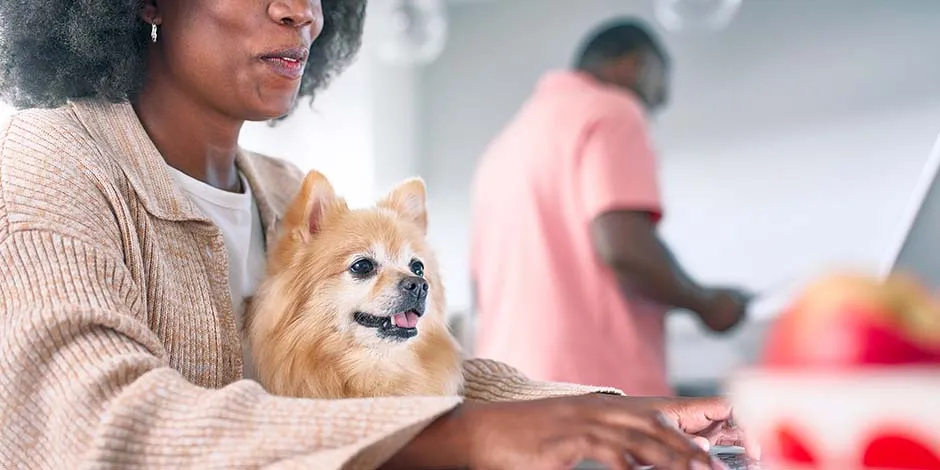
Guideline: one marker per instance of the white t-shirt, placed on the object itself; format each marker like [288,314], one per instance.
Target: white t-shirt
[238,219]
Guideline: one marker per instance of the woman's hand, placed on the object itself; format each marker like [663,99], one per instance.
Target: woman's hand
[708,421]
[558,433]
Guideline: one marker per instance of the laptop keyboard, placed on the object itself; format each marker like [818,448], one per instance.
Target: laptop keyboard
[738,462]
[732,461]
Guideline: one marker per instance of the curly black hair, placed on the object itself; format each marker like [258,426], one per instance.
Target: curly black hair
[616,38]
[52,51]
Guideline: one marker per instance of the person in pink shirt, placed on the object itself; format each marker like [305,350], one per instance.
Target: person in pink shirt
[571,280]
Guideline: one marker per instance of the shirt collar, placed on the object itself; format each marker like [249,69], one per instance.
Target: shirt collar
[117,127]
[566,79]
[555,81]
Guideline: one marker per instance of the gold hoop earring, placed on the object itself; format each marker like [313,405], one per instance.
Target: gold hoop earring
[153,32]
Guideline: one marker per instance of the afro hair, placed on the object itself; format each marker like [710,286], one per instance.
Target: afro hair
[52,51]
[614,39]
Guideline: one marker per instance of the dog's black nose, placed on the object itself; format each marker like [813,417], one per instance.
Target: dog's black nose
[414,286]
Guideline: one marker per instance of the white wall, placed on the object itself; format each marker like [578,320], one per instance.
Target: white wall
[792,143]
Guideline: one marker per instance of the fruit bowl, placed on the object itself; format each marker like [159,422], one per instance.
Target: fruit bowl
[886,418]
[849,380]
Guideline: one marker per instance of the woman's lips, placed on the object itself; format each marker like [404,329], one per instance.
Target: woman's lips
[287,67]
[288,62]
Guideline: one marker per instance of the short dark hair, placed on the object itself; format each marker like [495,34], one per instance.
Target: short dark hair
[52,51]
[614,39]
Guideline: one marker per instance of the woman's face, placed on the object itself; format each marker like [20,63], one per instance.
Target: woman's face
[242,58]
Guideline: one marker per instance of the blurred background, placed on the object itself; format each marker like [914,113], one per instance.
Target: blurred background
[793,141]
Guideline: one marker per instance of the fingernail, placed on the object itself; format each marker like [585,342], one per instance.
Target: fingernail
[700,466]
[702,443]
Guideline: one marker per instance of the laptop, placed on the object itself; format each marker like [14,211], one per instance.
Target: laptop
[915,251]
[732,456]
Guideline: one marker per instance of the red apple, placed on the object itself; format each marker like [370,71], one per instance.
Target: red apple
[845,321]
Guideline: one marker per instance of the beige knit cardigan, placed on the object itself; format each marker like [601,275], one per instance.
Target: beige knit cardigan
[118,346]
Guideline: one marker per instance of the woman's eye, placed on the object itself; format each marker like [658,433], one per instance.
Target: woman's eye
[417,268]
[362,267]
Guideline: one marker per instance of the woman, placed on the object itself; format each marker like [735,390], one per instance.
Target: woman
[121,280]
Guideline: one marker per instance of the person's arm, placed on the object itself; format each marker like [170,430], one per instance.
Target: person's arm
[627,242]
[617,180]
[86,383]
[492,381]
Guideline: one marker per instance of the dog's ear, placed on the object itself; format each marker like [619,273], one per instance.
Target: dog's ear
[308,209]
[409,200]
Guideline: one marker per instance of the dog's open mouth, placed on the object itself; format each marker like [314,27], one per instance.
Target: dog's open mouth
[401,326]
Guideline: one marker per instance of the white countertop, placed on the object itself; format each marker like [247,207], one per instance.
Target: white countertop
[696,354]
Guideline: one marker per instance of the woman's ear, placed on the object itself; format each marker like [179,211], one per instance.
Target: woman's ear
[149,13]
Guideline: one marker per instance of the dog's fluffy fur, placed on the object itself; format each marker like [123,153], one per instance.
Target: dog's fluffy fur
[301,326]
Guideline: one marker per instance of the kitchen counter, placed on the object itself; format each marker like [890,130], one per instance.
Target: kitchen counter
[699,361]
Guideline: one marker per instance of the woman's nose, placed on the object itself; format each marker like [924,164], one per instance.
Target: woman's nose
[295,13]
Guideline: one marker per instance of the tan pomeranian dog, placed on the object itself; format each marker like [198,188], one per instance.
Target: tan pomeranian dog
[353,305]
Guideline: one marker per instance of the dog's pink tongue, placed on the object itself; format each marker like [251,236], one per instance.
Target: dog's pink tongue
[405,320]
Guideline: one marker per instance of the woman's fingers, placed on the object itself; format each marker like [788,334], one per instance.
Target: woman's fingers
[702,442]
[653,440]
[626,448]
[665,453]
[649,436]
[732,434]
[620,433]
[709,418]
[595,445]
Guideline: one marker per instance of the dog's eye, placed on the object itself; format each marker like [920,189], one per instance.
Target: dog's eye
[417,267]
[362,267]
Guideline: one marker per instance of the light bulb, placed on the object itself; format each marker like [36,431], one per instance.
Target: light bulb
[695,15]
[410,32]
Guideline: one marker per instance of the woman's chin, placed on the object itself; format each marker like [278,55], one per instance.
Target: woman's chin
[267,117]
[269,109]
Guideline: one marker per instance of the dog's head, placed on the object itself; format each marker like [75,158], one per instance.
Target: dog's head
[368,273]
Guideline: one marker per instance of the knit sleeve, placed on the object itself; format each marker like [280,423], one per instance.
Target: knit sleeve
[86,384]
[488,380]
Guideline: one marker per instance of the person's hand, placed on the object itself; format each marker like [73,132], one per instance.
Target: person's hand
[708,421]
[722,308]
[558,433]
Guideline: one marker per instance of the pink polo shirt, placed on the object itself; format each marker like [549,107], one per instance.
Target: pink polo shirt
[545,302]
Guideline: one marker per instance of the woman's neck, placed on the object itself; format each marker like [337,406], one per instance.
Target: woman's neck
[190,136]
